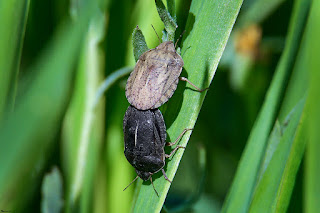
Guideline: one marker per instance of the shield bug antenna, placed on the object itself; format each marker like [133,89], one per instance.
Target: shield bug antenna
[175,45]
[131,182]
[156,34]
[153,186]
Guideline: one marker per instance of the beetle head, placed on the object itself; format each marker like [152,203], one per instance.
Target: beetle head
[150,163]
[143,175]
[146,176]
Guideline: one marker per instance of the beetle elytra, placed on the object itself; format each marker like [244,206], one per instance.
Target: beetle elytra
[144,142]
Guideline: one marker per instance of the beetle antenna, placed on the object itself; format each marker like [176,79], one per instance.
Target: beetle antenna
[131,182]
[153,186]
[156,34]
[175,45]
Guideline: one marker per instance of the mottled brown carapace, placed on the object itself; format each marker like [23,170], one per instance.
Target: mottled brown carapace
[155,77]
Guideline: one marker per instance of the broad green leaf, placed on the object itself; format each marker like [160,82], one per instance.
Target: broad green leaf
[27,151]
[190,183]
[52,192]
[170,24]
[13,19]
[139,43]
[240,194]
[171,5]
[201,51]
[312,171]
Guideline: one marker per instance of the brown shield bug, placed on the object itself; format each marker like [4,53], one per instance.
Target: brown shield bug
[144,142]
[155,77]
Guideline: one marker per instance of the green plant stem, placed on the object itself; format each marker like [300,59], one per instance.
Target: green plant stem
[13,20]
[109,81]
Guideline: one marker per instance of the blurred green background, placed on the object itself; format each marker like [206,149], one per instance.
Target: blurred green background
[255,141]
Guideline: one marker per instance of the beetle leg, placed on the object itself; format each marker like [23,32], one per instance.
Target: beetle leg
[197,88]
[165,176]
[173,151]
[179,137]
[153,186]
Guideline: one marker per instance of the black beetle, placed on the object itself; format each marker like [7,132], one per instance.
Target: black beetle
[144,142]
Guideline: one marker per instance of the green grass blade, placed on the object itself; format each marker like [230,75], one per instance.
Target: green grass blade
[273,191]
[239,197]
[25,153]
[284,152]
[13,19]
[202,50]
[84,123]
[312,172]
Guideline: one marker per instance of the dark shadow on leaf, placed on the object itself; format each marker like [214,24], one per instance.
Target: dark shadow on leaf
[175,103]
[205,83]
[189,27]
[172,108]
[182,13]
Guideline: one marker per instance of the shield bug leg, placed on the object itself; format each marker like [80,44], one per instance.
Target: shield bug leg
[197,88]
[153,186]
[179,137]
[165,175]
[174,150]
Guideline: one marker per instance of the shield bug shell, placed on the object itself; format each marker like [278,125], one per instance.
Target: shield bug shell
[155,77]
[144,141]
